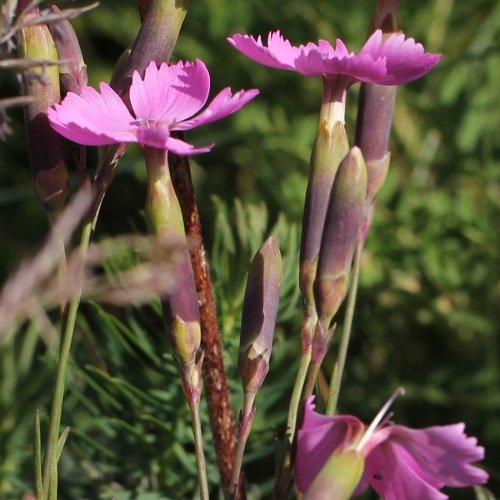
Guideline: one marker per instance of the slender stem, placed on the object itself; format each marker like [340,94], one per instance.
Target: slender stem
[329,404]
[37,456]
[338,371]
[295,400]
[311,379]
[214,375]
[194,407]
[50,458]
[246,419]
[283,474]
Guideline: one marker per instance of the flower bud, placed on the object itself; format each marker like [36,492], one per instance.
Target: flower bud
[164,216]
[376,108]
[185,340]
[375,112]
[386,17]
[72,70]
[338,477]
[330,147]
[373,127]
[157,37]
[341,231]
[44,143]
[120,69]
[260,307]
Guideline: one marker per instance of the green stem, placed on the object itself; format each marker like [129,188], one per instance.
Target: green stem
[283,474]
[336,380]
[51,448]
[246,420]
[198,445]
[37,456]
[296,398]
[311,379]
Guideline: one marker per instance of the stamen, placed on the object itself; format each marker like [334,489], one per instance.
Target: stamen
[378,418]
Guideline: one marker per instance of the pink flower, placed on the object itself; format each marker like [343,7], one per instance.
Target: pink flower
[399,462]
[393,61]
[163,102]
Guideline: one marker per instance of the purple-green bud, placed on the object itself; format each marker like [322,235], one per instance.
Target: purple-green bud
[120,68]
[45,145]
[376,108]
[260,307]
[373,127]
[343,221]
[338,477]
[156,39]
[386,17]
[375,112]
[185,340]
[330,147]
[164,216]
[72,70]
[376,171]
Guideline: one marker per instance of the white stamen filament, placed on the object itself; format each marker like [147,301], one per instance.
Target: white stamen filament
[378,418]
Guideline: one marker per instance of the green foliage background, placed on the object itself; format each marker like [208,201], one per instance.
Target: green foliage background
[428,304]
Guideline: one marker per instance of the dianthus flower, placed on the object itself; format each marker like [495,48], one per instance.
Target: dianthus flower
[165,101]
[399,462]
[391,61]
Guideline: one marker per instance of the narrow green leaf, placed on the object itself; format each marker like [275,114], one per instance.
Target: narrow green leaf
[37,456]
[61,443]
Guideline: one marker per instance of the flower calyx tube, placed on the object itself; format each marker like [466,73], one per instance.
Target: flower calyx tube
[340,235]
[164,217]
[260,308]
[375,112]
[330,147]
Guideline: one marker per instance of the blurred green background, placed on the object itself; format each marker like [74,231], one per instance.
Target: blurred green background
[428,305]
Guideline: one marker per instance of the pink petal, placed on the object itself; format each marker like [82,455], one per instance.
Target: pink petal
[359,68]
[317,438]
[183,148]
[394,474]
[279,53]
[170,93]
[159,137]
[93,119]
[444,452]
[391,62]
[222,105]
[405,59]
[341,50]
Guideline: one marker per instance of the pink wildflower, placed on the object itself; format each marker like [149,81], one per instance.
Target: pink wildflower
[163,102]
[393,61]
[399,462]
